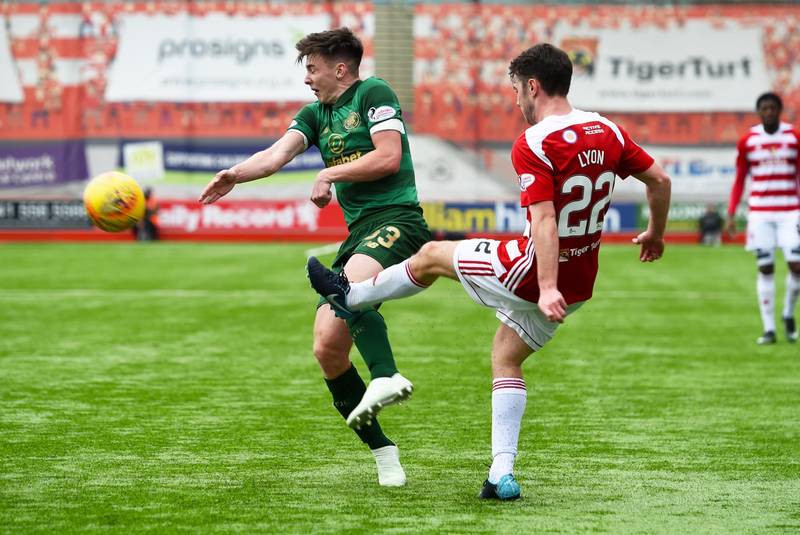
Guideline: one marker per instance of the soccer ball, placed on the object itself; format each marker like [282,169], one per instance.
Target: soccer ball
[113,201]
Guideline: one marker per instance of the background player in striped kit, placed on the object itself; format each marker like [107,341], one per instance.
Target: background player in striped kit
[566,164]
[768,153]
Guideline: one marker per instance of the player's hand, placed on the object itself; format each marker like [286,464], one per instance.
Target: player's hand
[553,305]
[652,248]
[321,192]
[730,226]
[219,187]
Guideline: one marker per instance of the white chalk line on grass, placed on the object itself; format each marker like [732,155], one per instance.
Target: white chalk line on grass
[323,249]
[175,293]
[167,293]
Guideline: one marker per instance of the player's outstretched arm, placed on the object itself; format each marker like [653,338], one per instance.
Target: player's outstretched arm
[260,165]
[659,187]
[544,232]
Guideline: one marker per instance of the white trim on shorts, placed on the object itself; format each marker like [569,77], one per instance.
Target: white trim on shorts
[477,265]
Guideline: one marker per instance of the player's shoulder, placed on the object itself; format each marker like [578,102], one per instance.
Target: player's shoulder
[311,107]
[569,127]
[789,128]
[756,130]
[372,83]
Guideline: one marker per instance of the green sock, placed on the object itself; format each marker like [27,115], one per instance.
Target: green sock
[347,391]
[371,337]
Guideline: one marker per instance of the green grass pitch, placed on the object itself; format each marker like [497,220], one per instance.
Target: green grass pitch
[171,388]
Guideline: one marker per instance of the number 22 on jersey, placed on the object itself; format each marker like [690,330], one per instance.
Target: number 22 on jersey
[585,188]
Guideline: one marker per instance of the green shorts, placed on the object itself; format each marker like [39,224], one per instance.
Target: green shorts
[389,236]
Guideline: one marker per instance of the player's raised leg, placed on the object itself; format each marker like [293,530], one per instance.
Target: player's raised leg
[433,260]
[509,397]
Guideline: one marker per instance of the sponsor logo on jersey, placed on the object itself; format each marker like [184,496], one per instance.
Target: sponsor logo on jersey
[344,159]
[525,180]
[380,113]
[569,136]
[352,121]
[564,255]
[593,129]
[336,143]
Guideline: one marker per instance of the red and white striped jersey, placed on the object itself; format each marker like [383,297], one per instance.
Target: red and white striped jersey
[571,160]
[771,161]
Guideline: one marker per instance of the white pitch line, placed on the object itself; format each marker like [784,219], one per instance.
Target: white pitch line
[323,249]
[11,293]
[143,293]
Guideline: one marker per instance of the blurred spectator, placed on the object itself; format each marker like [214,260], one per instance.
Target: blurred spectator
[147,228]
[711,224]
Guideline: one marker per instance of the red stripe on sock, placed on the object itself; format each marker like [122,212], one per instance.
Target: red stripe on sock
[510,384]
[414,280]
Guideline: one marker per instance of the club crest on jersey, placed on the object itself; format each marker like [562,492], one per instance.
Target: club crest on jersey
[525,180]
[569,136]
[352,121]
[380,113]
[336,143]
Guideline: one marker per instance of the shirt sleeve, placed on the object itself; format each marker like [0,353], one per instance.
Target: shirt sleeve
[305,122]
[382,109]
[634,158]
[742,167]
[536,178]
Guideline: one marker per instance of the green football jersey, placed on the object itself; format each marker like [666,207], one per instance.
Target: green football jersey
[342,132]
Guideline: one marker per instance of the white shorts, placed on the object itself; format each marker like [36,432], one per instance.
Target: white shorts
[769,231]
[478,276]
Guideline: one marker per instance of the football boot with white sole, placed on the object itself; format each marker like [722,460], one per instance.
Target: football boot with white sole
[767,338]
[381,392]
[791,330]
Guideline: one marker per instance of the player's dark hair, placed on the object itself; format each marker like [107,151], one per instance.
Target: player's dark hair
[770,96]
[333,45]
[549,65]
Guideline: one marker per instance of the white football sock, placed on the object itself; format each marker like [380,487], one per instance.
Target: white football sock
[792,291]
[390,471]
[508,405]
[393,282]
[765,288]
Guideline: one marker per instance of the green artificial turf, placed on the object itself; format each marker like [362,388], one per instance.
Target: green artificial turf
[171,388]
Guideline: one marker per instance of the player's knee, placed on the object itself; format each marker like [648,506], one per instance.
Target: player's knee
[331,357]
[429,257]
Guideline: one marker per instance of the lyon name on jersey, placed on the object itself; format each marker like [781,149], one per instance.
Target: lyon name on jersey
[571,160]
